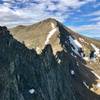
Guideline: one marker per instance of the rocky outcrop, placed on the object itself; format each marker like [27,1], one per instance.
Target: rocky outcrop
[25,75]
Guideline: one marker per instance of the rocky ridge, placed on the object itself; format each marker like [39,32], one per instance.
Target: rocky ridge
[26,75]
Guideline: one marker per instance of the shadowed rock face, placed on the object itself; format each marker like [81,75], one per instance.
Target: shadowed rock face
[22,69]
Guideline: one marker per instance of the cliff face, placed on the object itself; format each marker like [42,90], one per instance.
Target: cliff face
[22,69]
[26,75]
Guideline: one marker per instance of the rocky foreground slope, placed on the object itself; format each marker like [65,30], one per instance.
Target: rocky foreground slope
[48,74]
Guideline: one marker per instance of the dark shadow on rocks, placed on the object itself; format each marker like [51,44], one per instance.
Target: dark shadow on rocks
[22,69]
[82,74]
[65,42]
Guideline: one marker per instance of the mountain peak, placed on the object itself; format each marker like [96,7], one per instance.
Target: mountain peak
[3,30]
[51,19]
[48,31]
[46,61]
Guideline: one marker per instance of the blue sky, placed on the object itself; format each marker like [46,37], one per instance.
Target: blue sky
[82,16]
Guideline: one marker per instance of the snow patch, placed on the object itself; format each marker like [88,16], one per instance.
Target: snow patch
[52,25]
[73,55]
[93,59]
[75,42]
[51,33]
[84,83]
[72,72]
[77,64]
[86,58]
[59,61]
[76,45]
[96,74]
[31,91]
[98,85]
[97,50]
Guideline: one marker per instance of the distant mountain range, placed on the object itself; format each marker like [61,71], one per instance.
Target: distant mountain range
[98,38]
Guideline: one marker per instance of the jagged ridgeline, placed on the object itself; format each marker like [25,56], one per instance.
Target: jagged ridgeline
[27,75]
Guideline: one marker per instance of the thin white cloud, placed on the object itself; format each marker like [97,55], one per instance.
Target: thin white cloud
[95,19]
[34,12]
[88,30]
[96,5]
[95,13]
[98,23]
